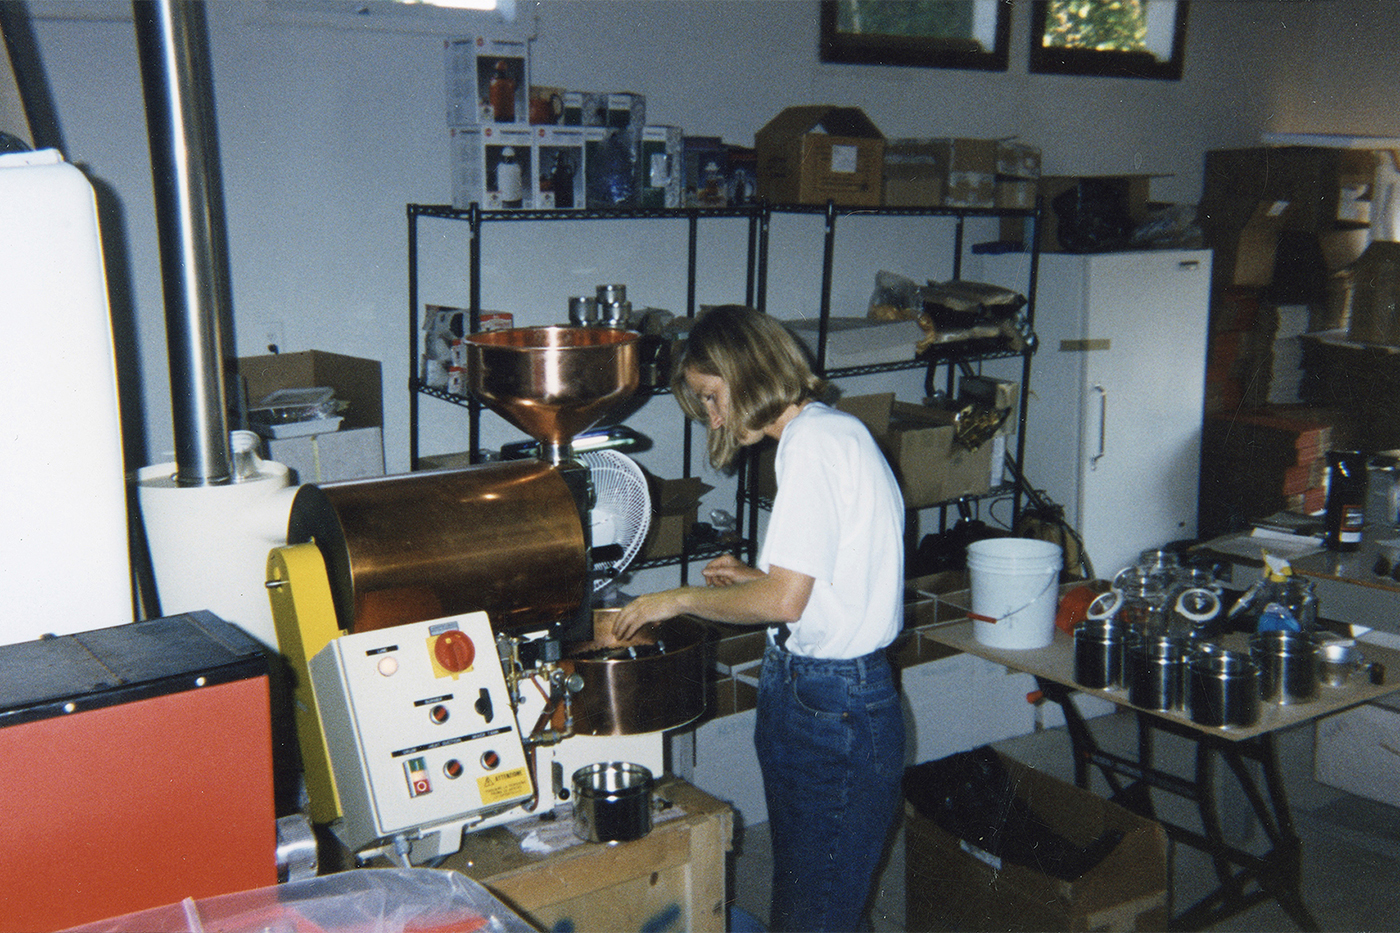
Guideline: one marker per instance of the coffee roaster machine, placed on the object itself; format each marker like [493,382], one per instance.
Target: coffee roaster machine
[440,625]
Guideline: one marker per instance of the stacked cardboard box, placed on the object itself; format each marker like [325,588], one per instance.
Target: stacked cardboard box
[1263,461]
[961,173]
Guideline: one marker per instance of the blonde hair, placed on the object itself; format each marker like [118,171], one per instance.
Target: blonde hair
[763,365]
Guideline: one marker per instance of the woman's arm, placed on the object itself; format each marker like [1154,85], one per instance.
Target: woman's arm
[737,594]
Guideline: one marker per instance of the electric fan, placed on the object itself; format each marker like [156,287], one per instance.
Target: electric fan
[621,514]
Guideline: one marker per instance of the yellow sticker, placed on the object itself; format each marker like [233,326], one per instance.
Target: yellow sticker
[507,785]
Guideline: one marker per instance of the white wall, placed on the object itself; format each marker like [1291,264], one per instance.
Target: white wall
[330,122]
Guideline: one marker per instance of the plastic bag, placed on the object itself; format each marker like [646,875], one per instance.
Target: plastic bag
[895,298]
[370,900]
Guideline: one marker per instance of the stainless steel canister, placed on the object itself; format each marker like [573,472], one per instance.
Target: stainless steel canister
[1156,672]
[1287,666]
[1099,649]
[612,802]
[1224,687]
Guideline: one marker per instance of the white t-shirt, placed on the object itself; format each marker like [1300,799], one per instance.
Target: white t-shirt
[838,517]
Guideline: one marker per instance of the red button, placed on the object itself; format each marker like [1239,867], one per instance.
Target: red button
[454,651]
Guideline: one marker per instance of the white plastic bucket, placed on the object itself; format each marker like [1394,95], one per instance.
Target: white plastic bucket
[1015,591]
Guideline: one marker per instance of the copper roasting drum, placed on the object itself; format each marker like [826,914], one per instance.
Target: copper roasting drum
[501,537]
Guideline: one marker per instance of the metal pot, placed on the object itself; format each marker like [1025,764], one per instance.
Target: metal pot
[612,802]
[1224,688]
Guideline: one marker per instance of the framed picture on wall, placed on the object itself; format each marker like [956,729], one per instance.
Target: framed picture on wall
[919,33]
[1108,38]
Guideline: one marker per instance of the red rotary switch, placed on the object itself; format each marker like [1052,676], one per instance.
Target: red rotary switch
[454,651]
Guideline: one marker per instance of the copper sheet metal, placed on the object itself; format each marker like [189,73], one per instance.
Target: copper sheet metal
[501,537]
[553,382]
[662,688]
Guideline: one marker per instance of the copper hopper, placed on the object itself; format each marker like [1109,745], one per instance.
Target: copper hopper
[553,383]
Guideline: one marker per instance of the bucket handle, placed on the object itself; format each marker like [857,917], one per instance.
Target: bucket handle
[1050,581]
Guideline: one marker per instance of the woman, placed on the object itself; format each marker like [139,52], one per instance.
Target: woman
[829,584]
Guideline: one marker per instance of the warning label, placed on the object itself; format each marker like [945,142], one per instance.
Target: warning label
[507,785]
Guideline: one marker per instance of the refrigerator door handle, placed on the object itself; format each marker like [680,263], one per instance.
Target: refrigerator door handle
[1103,426]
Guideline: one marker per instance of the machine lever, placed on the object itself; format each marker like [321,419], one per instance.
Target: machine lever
[484,706]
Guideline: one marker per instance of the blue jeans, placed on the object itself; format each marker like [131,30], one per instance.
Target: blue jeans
[830,739]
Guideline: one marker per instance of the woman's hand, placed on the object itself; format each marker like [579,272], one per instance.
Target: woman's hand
[727,570]
[647,609]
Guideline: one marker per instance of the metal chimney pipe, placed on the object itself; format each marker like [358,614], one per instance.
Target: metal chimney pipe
[173,49]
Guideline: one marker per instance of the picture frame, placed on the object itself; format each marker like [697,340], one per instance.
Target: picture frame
[968,34]
[1160,59]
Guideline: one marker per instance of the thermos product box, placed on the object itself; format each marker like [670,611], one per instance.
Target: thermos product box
[628,112]
[585,108]
[141,757]
[559,182]
[493,166]
[706,166]
[488,80]
[662,166]
[611,166]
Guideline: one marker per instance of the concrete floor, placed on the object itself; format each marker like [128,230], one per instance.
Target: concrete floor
[1350,845]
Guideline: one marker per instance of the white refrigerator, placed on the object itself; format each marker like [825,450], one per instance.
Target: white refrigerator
[1113,427]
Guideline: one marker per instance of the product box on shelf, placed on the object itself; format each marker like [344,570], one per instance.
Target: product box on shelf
[626,111]
[812,154]
[706,171]
[488,80]
[662,166]
[355,450]
[546,105]
[675,505]
[492,165]
[956,884]
[741,176]
[585,108]
[560,180]
[611,167]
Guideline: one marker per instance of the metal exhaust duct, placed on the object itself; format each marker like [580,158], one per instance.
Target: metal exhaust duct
[172,46]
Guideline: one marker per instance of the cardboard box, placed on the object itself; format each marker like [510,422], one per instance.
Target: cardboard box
[952,884]
[493,166]
[972,173]
[819,153]
[916,173]
[1016,159]
[1358,751]
[559,153]
[961,173]
[357,449]
[356,381]
[675,504]
[918,442]
[1245,256]
[488,80]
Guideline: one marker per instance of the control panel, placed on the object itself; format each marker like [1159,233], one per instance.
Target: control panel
[419,728]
